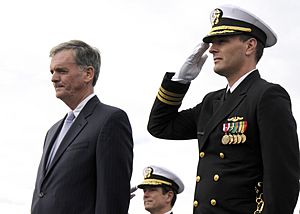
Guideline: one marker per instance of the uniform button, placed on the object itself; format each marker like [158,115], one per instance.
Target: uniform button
[41,194]
[213,202]
[196,203]
[198,178]
[222,155]
[202,154]
[216,177]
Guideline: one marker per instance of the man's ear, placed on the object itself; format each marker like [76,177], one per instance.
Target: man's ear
[170,195]
[251,46]
[90,72]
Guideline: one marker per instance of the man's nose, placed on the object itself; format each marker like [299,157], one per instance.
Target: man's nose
[212,48]
[54,77]
[146,192]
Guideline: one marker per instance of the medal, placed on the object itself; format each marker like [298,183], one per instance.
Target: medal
[234,131]
[239,139]
[234,139]
[230,139]
[243,130]
[225,139]
[243,138]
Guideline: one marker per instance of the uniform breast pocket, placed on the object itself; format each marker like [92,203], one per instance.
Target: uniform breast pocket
[78,145]
[200,133]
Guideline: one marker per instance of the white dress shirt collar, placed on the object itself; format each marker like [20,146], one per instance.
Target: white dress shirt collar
[78,109]
[236,84]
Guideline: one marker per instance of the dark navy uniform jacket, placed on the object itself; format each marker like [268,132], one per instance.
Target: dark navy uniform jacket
[244,140]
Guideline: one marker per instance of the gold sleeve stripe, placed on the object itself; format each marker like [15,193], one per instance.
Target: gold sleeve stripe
[176,99]
[167,101]
[155,182]
[169,98]
[170,93]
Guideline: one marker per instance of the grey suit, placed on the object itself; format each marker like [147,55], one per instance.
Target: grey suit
[92,168]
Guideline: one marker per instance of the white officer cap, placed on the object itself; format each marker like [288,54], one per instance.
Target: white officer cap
[232,20]
[159,176]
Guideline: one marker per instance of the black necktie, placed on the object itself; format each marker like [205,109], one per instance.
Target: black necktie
[228,93]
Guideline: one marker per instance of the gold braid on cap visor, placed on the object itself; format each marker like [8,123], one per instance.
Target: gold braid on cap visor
[156,182]
[228,29]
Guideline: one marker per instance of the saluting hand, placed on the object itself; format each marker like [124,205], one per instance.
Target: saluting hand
[132,190]
[192,66]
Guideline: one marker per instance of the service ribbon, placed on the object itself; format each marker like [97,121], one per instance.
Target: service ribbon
[240,126]
[234,128]
[225,127]
[231,127]
[244,127]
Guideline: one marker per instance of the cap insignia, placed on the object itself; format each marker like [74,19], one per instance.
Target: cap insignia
[147,172]
[216,16]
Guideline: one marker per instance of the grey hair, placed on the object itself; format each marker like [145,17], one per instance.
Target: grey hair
[85,55]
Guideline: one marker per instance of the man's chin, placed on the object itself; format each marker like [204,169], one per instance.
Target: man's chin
[219,71]
[148,208]
[58,95]
[147,205]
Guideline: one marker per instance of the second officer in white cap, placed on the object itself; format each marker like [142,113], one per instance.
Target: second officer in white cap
[160,187]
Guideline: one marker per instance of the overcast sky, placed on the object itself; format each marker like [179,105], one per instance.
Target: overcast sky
[139,41]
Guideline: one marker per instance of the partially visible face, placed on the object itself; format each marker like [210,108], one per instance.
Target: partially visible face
[67,77]
[228,55]
[155,200]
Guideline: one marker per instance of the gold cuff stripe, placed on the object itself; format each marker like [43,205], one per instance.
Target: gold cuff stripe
[155,182]
[168,102]
[168,97]
[170,93]
[176,99]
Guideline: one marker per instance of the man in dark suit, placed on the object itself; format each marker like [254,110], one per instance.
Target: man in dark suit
[87,169]
[160,187]
[247,139]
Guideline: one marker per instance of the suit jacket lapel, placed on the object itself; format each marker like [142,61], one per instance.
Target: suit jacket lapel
[79,123]
[228,105]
